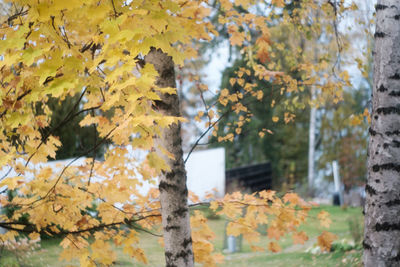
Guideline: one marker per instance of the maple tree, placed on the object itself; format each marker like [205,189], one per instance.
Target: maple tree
[120,68]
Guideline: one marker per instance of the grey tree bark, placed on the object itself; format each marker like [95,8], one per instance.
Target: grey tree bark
[172,184]
[382,208]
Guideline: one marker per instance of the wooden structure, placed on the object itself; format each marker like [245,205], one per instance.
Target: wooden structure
[249,179]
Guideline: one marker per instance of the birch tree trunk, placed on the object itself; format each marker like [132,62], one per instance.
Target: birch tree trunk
[172,185]
[382,209]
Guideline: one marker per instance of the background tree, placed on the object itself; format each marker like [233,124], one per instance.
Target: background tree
[285,148]
[343,134]
[285,103]
[343,125]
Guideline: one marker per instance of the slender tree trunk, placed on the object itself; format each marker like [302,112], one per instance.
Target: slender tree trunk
[382,208]
[313,126]
[172,186]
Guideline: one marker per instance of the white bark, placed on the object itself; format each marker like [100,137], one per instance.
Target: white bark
[336,180]
[382,209]
[172,186]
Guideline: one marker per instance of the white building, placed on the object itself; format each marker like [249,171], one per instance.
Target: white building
[205,171]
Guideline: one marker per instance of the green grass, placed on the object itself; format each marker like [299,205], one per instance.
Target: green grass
[298,259]
[291,255]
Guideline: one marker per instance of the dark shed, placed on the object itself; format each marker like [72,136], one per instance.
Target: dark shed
[250,178]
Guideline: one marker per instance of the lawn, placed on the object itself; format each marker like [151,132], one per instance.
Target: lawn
[291,255]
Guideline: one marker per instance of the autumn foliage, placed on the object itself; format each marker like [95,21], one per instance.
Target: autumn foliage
[95,50]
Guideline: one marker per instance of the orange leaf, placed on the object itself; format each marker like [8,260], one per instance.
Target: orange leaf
[325,240]
[267,194]
[257,248]
[299,238]
[236,37]
[274,247]
[274,232]
[324,219]
[292,198]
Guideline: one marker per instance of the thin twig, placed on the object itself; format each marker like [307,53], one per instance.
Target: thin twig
[68,165]
[203,134]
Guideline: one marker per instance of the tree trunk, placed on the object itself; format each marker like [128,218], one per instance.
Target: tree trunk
[172,186]
[311,144]
[382,208]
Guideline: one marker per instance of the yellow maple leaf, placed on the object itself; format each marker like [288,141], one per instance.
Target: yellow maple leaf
[66,242]
[292,198]
[236,37]
[263,46]
[239,227]
[214,205]
[355,120]
[136,253]
[34,236]
[267,194]
[156,162]
[12,182]
[260,94]
[193,197]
